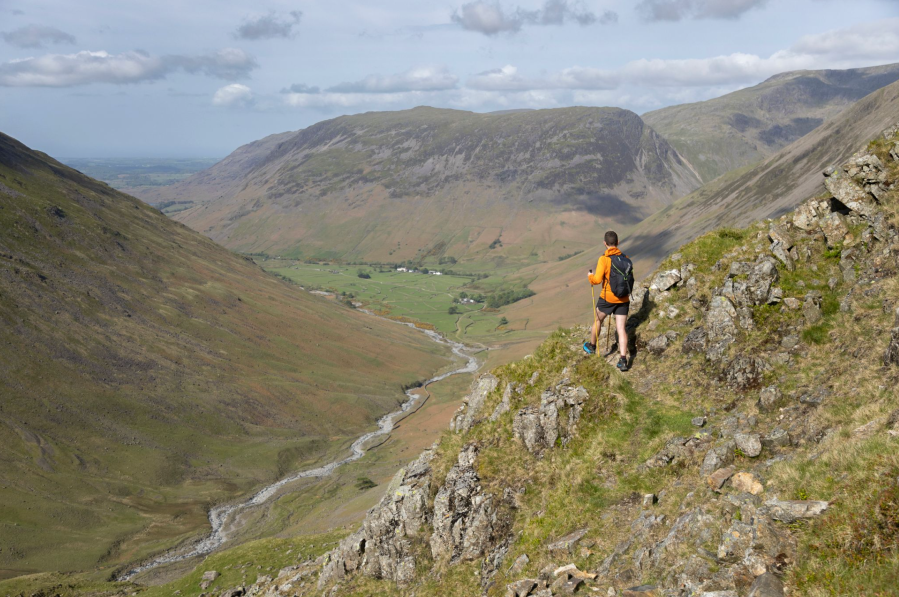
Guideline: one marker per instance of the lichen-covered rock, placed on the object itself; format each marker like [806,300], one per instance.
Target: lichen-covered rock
[658,345]
[744,372]
[466,522]
[749,443]
[472,405]
[506,402]
[780,251]
[766,585]
[792,510]
[747,483]
[769,398]
[778,233]
[696,341]
[834,227]
[538,427]
[717,458]
[382,548]
[665,280]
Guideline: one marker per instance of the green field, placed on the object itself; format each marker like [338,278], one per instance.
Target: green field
[421,298]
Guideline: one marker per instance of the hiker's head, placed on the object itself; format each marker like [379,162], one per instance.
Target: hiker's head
[611,239]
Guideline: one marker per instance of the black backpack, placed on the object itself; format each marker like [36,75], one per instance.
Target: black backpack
[621,276]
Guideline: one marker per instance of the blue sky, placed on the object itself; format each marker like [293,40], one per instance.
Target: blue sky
[167,78]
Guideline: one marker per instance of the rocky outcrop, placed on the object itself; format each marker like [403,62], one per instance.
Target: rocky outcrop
[466,519]
[472,405]
[382,548]
[555,419]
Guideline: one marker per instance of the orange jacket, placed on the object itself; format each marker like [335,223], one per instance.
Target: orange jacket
[603,267]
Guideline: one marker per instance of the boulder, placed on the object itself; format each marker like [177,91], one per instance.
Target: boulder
[778,233]
[519,563]
[698,421]
[789,511]
[658,345]
[780,251]
[641,591]
[766,585]
[806,216]
[811,310]
[748,443]
[567,543]
[792,303]
[769,398]
[521,588]
[717,479]
[665,280]
[692,286]
[716,458]
[778,438]
[235,592]
[894,151]
[834,227]
[470,411]
[761,281]
[735,543]
[747,483]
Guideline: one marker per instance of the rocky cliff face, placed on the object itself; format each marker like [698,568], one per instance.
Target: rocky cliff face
[750,451]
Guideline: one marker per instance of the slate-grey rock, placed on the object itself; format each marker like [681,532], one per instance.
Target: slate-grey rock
[766,585]
[382,547]
[538,427]
[792,510]
[505,403]
[717,458]
[769,398]
[470,411]
[744,372]
[748,443]
[778,438]
[782,253]
[778,233]
[566,544]
[658,345]
[519,564]
[834,227]
[665,280]
[696,341]
[698,421]
[521,588]
[465,522]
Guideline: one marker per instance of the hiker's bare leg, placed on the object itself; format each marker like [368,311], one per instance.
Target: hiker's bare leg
[620,325]
[597,323]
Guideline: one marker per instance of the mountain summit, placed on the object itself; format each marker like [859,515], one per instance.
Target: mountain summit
[393,185]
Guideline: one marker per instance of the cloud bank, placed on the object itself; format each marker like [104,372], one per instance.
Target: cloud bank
[270,26]
[36,36]
[490,18]
[234,95]
[85,68]
[676,10]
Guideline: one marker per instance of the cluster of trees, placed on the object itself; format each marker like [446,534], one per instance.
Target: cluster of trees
[569,255]
[363,274]
[507,297]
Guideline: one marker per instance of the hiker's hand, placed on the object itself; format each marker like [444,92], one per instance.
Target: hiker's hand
[590,272]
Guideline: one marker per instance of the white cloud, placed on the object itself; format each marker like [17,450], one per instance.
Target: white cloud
[35,36]
[676,10]
[269,26]
[490,18]
[507,78]
[425,78]
[84,68]
[234,95]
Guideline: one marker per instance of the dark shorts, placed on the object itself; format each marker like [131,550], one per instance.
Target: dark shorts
[613,308]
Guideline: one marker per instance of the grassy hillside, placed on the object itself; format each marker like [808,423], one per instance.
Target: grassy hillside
[751,449]
[743,127]
[147,372]
[426,183]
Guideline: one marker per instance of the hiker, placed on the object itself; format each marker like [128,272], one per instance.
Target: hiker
[615,272]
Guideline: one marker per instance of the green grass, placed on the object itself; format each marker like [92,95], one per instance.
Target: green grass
[427,299]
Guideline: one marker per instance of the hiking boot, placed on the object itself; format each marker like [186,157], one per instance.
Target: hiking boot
[622,364]
[589,348]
